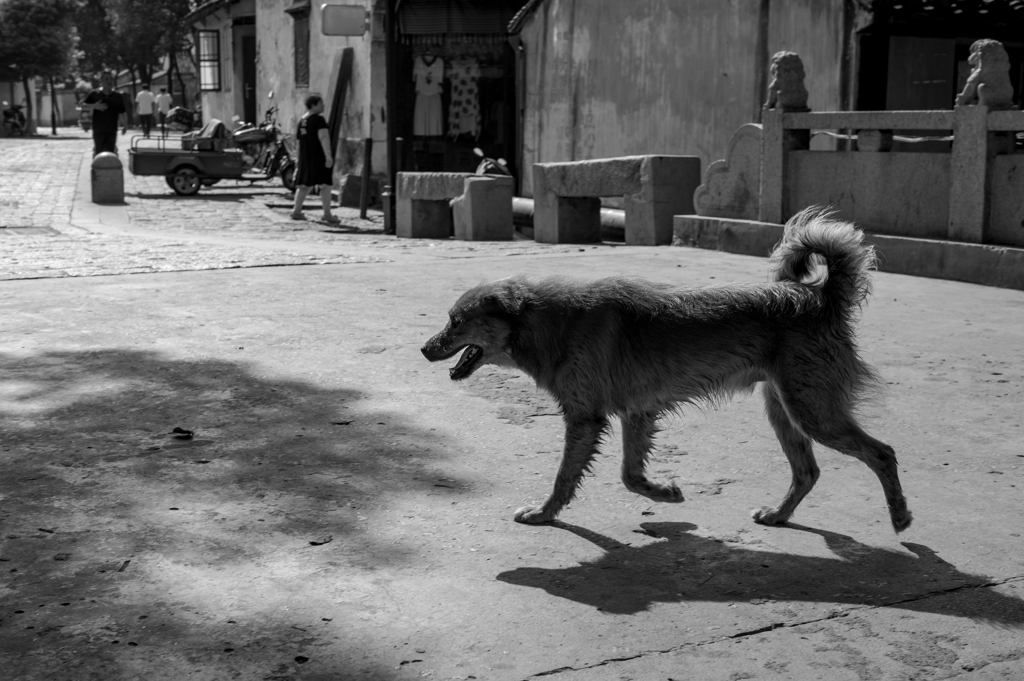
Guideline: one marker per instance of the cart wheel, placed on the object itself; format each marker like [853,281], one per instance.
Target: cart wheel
[210,181]
[184,182]
[288,176]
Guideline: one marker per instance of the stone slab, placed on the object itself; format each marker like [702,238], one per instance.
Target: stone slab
[430,186]
[653,187]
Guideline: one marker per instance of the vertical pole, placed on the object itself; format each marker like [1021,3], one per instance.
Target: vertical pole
[53,107]
[364,187]
[390,109]
[763,57]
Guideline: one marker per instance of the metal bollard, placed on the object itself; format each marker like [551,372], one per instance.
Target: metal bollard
[107,179]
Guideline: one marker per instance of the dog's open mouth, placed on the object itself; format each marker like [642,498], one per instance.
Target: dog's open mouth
[467,363]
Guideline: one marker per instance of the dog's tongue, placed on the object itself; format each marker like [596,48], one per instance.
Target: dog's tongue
[468,355]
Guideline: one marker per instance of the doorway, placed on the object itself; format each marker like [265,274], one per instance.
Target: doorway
[249,79]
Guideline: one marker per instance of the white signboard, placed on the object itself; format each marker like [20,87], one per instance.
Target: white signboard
[344,20]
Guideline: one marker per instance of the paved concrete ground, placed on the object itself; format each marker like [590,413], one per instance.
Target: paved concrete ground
[344,510]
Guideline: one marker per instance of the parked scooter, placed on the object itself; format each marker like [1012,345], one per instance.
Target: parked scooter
[14,120]
[491,166]
[264,148]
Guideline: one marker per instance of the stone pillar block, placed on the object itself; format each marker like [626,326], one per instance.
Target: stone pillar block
[969,191]
[773,156]
[563,220]
[484,211]
[107,178]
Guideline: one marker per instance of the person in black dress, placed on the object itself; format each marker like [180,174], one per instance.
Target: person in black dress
[316,163]
[108,114]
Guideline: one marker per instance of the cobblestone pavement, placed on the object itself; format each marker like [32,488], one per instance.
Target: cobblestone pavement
[38,177]
[40,237]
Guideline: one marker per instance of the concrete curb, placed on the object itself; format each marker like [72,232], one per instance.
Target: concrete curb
[999,266]
[94,217]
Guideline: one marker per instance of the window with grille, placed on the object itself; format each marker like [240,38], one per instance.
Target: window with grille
[301,48]
[208,43]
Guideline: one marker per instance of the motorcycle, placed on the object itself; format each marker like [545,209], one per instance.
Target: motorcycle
[14,120]
[265,148]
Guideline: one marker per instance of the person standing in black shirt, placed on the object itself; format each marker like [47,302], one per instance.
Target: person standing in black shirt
[316,163]
[108,114]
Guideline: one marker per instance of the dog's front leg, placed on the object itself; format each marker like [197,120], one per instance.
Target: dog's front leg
[581,439]
[637,438]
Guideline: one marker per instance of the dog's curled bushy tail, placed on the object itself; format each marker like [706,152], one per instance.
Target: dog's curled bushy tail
[829,254]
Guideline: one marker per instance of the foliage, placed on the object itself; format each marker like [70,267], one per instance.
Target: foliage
[96,48]
[37,38]
[130,34]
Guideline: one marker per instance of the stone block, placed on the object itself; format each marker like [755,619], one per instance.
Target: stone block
[423,219]
[350,189]
[484,210]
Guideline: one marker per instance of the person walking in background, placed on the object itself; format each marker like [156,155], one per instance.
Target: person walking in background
[163,107]
[316,163]
[108,113]
[145,105]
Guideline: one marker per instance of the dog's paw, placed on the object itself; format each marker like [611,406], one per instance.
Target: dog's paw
[767,516]
[672,494]
[900,520]
[655,491]
[532,516]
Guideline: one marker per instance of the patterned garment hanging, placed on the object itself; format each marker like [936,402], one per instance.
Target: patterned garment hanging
[464,110]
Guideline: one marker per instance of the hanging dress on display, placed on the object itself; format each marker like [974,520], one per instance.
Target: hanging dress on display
[464,111]
[428,74]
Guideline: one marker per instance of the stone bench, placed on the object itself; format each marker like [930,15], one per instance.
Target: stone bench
[422,204]
[484,210]
[567,206]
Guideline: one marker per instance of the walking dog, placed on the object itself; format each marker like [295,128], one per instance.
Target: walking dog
[634,349]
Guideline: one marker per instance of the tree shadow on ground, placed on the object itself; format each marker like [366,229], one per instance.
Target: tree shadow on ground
[687,567]
[117,530]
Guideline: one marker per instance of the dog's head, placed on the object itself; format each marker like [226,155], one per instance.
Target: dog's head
[481,322]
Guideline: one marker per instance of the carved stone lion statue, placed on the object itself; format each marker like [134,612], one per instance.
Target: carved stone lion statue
[786,90]
[989,82]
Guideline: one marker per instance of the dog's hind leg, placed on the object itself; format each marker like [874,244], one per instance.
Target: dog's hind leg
[823,415]
[846,436]
[637,438]
[581,439]
[798,449]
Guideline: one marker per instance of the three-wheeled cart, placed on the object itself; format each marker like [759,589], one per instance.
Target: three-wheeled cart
[191,161]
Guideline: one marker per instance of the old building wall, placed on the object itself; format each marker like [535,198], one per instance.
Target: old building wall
[276,72]
[220,104]
[608,78]
[814,30]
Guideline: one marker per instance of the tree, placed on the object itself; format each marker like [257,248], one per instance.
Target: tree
[96,46]
[131,34]
[37,39]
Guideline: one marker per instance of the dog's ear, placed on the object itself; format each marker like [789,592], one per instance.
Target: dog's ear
[509,298]
[499,302]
